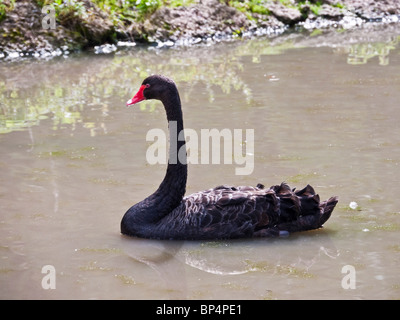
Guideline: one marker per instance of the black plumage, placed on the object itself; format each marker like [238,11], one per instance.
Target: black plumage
[224,212]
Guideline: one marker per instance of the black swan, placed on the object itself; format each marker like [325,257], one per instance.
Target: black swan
[225,212]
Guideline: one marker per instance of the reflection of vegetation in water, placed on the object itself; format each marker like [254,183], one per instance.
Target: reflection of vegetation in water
[65,92]
[21,112]
[360,53]
[64,100]
[57,94]
[257,49]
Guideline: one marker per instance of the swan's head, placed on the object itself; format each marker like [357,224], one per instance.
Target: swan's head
[153,87]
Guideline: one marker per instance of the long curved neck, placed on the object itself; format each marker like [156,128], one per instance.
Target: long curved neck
[172,189]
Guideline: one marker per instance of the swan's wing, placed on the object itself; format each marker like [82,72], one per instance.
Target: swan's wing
[231,211]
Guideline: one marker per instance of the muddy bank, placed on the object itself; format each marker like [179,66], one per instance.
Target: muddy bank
[85,25]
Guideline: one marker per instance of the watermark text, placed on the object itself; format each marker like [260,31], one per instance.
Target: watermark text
[212,146]
[349,280]
[49,20]
[49,280]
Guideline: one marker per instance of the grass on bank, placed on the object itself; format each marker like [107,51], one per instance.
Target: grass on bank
[116,10]
[137,10]
[6,6]
[261,6]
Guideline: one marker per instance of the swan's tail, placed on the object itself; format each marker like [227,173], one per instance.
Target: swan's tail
[302,210]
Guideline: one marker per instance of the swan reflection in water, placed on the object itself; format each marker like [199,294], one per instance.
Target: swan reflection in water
[177,263]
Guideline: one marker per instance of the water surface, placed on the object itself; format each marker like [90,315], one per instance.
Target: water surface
[73,160]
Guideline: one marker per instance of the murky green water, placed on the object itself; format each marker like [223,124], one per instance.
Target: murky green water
[73,160]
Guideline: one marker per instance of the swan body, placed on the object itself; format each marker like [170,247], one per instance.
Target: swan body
[224,212]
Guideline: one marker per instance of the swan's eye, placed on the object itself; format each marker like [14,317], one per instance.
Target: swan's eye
[148,85]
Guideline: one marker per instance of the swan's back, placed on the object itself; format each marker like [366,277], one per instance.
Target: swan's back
[237,212]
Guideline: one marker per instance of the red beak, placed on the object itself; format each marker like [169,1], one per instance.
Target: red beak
[137,97]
